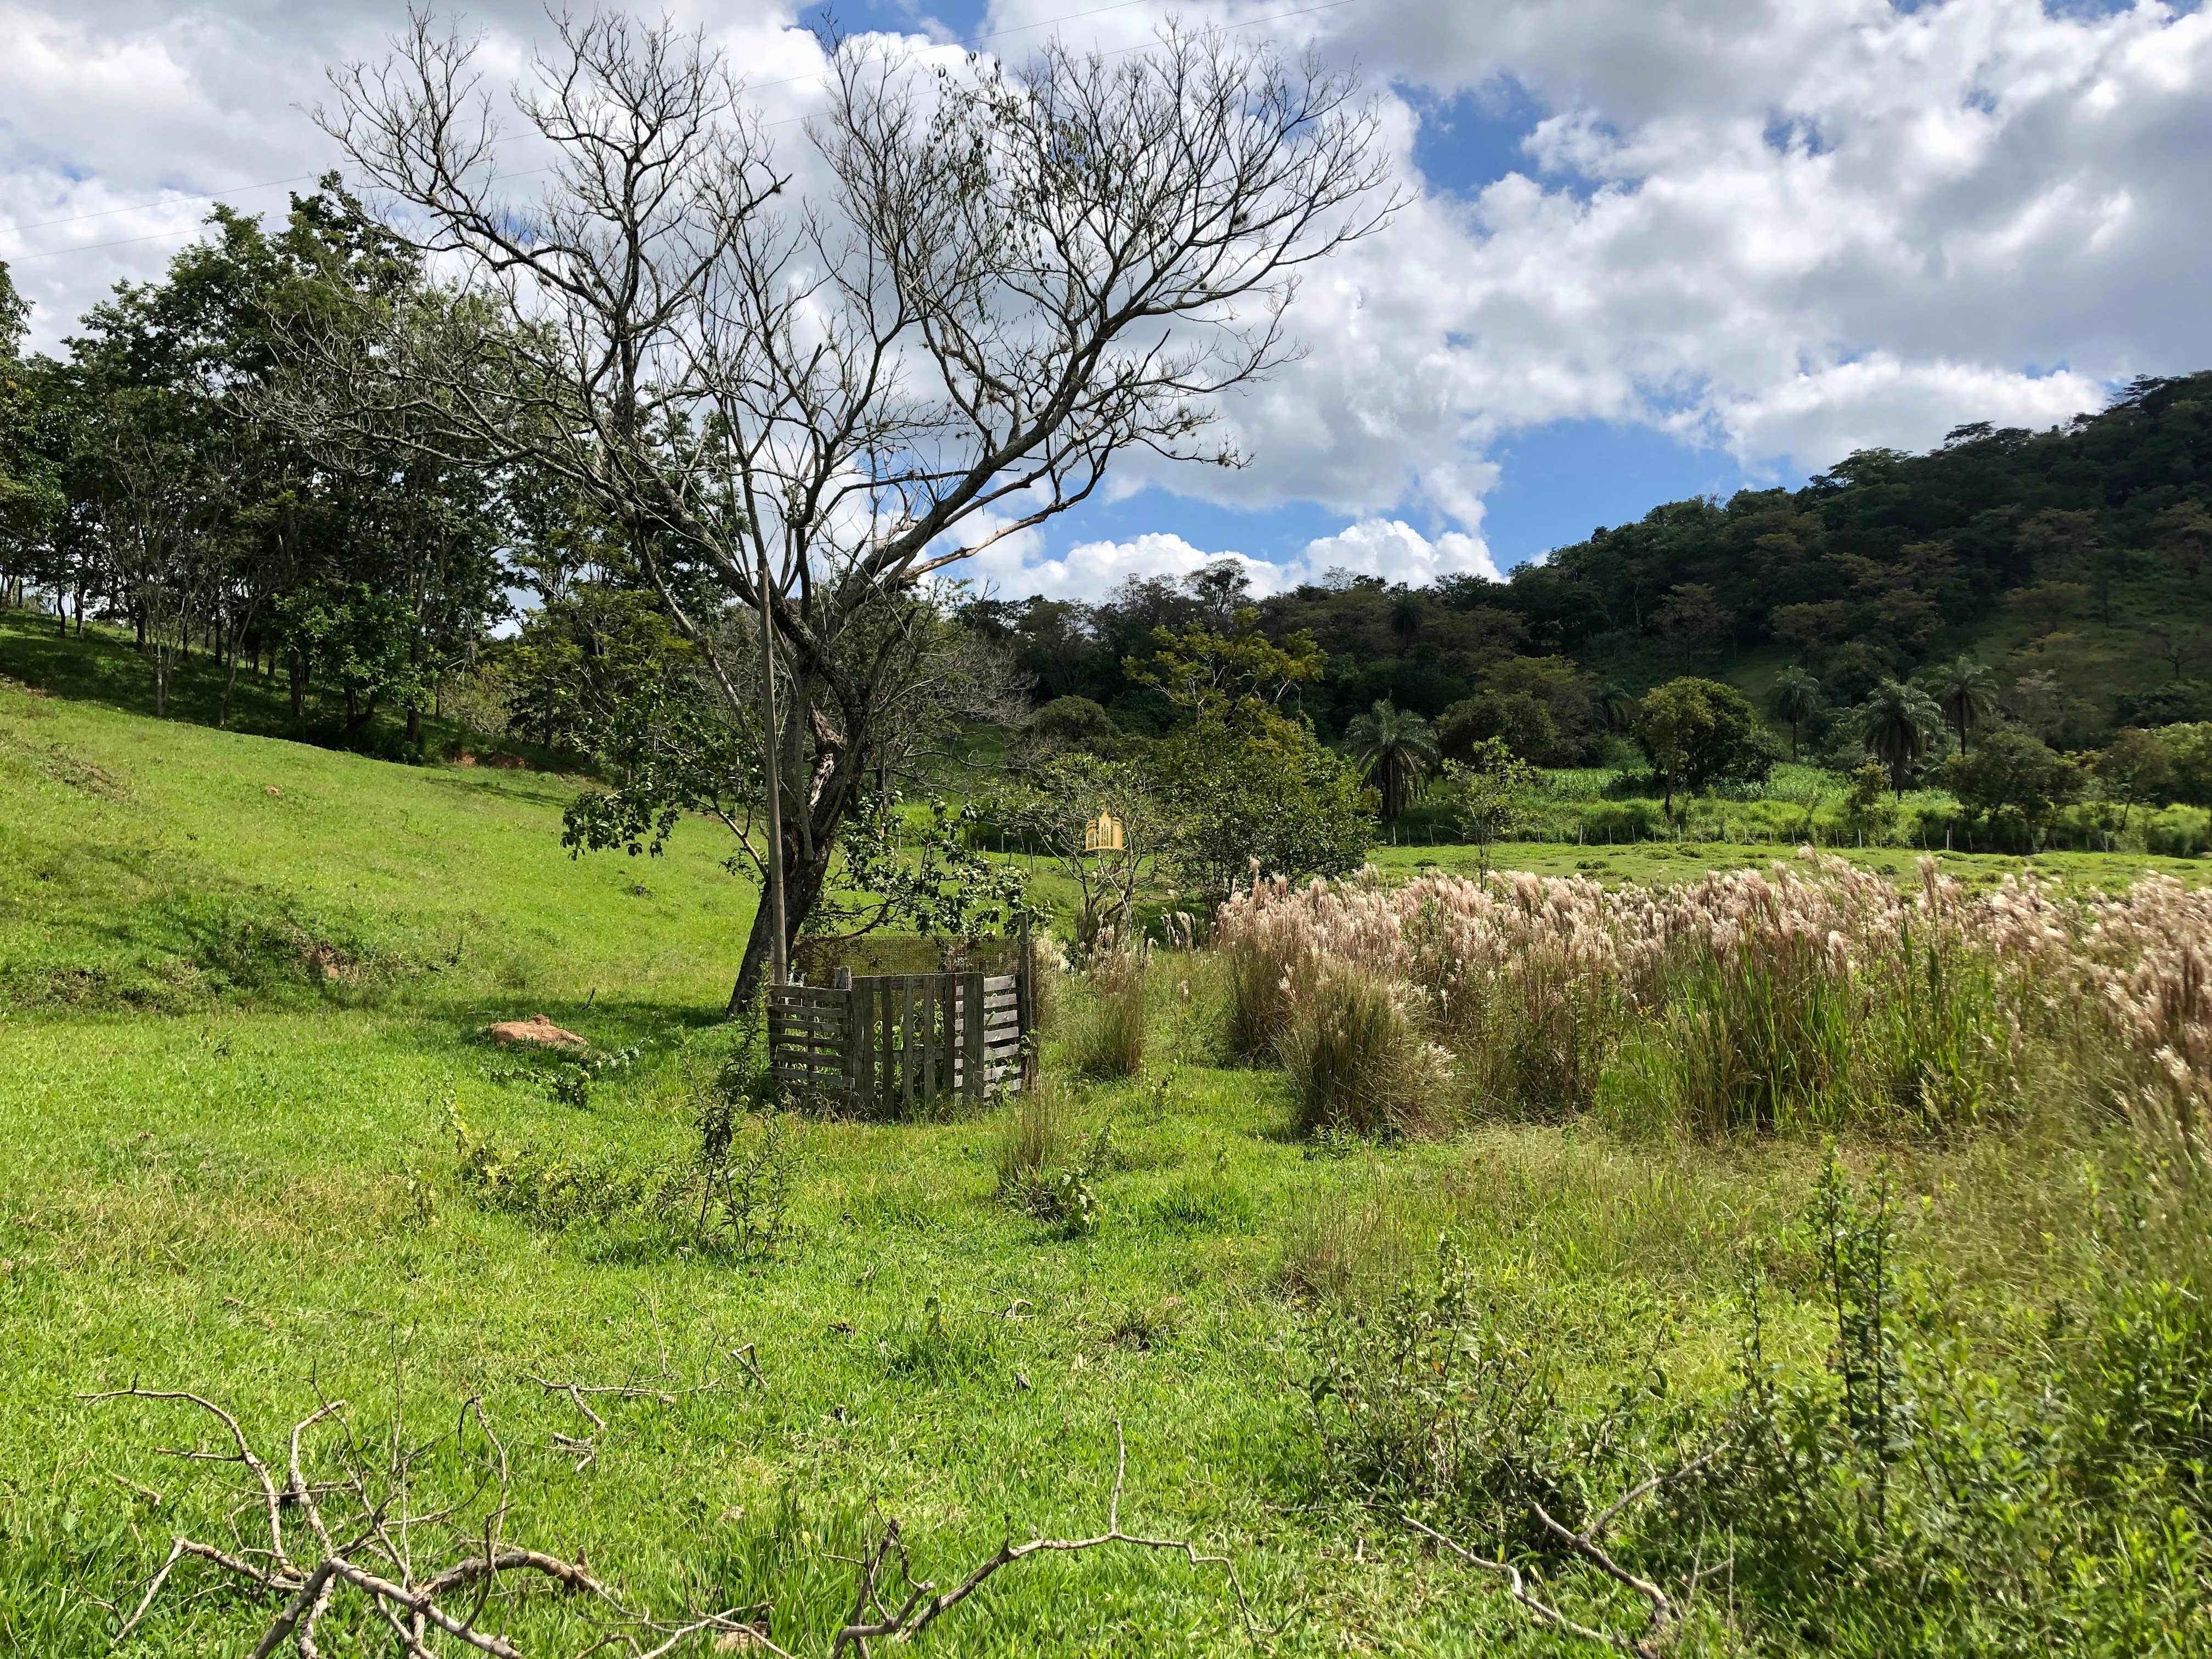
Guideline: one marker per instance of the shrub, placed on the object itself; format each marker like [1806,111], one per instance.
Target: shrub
[1047,1173]
[1929,1485]
[1358,1059]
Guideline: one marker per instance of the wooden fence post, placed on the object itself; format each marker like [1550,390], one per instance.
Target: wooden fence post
[971,1037]
[1026,1006]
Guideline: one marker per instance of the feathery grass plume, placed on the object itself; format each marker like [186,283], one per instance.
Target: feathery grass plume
[1808,995]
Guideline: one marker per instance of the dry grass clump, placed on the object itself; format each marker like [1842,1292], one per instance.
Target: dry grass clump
[1106,1035]
[1810,995]
[1358,1059]
[1032,1137]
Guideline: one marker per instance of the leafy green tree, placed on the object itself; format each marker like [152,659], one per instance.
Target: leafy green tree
[1210,674]
[2136,769]
[1699,732]
[1395,750]
[1074,723]
[30,488]
[1967,693]
[1897,725]
[2189,752]
[1523,721]
[2015,779]
[1260,790]
[356,641]
[1795,699]
[1866,814]
[1490,793]
[588,649]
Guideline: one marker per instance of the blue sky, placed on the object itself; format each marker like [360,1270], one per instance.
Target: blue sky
[1649,248]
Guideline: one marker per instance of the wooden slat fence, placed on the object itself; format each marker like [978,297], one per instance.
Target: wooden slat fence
[899,1045]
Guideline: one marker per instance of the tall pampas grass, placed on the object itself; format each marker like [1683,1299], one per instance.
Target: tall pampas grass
[1812,995]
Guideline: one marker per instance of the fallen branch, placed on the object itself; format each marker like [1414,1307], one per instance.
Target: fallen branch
[923,1603]
[1663,1617]
[366,1546]
[371,1550]
[584,1448]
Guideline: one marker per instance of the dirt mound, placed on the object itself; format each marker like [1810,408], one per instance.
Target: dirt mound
[536,1029]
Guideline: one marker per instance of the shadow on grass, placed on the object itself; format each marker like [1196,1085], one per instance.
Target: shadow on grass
[103,665]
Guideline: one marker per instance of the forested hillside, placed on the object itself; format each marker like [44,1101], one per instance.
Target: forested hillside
[2073,561]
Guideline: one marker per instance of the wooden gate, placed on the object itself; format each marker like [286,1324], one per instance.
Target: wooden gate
[897,1045]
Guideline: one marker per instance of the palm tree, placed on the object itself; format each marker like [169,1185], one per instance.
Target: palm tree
[1966,692]
[1406,612]
[1615,704]
[1396,749]
[1896,723]
[1795,699]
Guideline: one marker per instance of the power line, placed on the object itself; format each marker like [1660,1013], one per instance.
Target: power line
[241,190]
[166,201]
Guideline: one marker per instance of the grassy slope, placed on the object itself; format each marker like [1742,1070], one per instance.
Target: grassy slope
[209,1186]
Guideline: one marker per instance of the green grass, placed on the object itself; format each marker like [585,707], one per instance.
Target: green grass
[241,981]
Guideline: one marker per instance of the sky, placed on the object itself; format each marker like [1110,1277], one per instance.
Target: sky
[1648,248]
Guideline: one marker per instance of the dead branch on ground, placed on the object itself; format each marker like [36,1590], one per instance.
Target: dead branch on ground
[1663,1615]
[584,1448]
[367,1539]
[921,1604]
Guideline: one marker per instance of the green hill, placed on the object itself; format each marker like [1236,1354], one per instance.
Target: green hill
[2076,561]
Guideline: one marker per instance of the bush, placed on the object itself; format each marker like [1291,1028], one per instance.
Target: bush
[1357,1057]
[1047,1173]
[1930,1485]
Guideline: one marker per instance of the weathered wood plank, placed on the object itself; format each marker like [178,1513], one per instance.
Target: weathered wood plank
[971,1037]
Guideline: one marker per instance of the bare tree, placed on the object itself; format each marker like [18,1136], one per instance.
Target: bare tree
[1009,277]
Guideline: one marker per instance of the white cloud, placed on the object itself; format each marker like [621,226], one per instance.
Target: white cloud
[1388,548]
[1395,551]
[1784,227]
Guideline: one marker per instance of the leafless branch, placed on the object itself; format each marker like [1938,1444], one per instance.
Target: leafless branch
[1663,1616]
[922,1604]
[370,1552]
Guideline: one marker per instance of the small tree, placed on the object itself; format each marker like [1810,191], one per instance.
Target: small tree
[1700,732]
[1489,793]
[1897,725]
[1795,699]
[2014,777]
[2136,769]
[1049,810]
[1395,750]
[1260,789]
